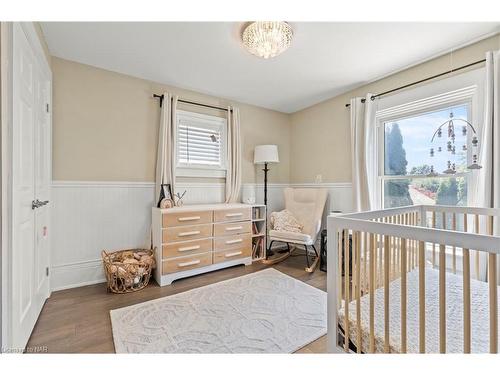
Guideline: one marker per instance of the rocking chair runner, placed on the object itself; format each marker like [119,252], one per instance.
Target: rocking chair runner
[307,206]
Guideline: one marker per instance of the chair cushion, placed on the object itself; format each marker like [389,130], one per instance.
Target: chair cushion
[285,221]
[292,237]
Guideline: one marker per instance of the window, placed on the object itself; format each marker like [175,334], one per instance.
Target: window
[407,160]
[406,123]
[201,145]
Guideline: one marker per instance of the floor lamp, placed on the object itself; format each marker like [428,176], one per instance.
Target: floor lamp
[265,154]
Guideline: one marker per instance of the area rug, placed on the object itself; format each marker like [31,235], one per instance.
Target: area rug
[262,312]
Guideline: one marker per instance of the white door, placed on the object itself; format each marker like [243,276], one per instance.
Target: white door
[30,177]
[43,177]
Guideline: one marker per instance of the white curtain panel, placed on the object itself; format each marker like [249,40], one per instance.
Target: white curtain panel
[233,174]
[486,181]
[364,154]
[165,160]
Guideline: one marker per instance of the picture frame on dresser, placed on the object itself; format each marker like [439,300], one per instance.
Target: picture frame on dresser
[195,239]
[165,193]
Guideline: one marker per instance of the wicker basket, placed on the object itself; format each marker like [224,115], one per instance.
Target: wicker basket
[128,270]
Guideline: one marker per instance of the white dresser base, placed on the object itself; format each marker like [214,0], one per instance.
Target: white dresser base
[169,278]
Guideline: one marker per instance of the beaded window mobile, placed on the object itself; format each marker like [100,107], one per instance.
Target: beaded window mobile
[450,144]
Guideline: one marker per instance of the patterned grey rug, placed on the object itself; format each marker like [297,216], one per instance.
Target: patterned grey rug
[263,312]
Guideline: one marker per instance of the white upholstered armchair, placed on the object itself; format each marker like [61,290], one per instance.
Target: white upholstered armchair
[307,206]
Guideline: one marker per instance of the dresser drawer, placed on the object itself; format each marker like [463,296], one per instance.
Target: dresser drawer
[186,263]
[233,214]
[227,229]
[232,242]
[186,233]
[227,255]
[175,219]
[178,249]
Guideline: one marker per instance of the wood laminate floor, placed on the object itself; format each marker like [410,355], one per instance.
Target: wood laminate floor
[77,320]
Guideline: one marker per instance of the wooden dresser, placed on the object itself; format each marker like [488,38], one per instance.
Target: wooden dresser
[194,239]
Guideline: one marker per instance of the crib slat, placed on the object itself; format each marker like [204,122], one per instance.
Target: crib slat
[454,249]
[466,292]
[415,246]
[398,251]
[466,296]
[365,260]
[391,251]
[380,259]
[352,290]
[476,257]
[347,287]
[387,259]
[359,343]
[410,257]
[442,298]
[339,271]
[421,296]
[433,245]
[492,282]
[410,246]
[372,292]
[403,295]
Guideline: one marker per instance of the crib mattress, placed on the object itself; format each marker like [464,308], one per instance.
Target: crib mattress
[454,315]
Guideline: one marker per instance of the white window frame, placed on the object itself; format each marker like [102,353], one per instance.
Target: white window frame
[200,170]
[467,88]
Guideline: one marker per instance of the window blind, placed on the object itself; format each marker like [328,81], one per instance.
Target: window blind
[199,145]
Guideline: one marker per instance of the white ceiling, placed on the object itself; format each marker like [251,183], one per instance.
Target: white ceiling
[324,60]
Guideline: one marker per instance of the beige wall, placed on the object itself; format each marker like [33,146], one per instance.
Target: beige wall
[105,126]
[320,137]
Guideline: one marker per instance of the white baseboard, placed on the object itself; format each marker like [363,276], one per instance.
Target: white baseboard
[68,276]
[90,216]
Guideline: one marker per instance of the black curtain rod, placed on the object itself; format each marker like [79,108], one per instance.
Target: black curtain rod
[421,81]
[192,103]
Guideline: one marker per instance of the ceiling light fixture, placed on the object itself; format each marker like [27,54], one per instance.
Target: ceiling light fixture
[267,38]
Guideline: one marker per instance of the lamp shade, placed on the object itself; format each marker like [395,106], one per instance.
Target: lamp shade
[266,154]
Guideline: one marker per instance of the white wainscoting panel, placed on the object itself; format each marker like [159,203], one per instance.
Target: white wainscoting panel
[88,217]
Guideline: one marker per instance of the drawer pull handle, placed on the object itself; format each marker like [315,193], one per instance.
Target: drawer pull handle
[189,218]
[236,253]
[235,214]
[192,263]
[189,248]
[234,228]
[234,241]
[192,233]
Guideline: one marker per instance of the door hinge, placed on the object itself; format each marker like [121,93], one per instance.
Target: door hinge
[47,107]
[47,271]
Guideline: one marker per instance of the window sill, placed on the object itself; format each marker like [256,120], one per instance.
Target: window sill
[200,172]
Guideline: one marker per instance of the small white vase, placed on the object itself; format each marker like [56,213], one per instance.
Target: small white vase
[248,194]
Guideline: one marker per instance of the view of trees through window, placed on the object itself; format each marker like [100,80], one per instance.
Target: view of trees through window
[407,145]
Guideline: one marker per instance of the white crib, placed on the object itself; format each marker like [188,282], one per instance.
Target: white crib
[409,283]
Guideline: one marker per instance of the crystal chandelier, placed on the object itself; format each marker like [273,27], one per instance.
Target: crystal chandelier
[267,38]
[450,144]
